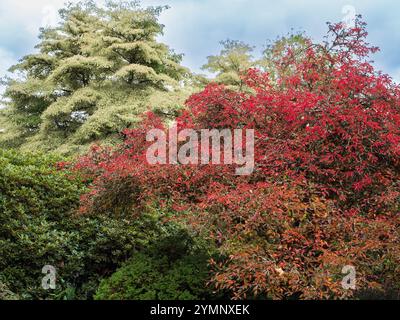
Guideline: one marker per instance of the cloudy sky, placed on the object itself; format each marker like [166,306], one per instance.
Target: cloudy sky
[195,27]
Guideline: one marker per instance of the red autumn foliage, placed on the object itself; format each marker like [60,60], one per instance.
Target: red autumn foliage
[325,192]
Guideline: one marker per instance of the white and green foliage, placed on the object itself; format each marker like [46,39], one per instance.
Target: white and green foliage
[234,59]
[92,76]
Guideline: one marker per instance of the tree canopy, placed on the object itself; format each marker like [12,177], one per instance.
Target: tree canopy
[90,77]
[229,65]
[325,189]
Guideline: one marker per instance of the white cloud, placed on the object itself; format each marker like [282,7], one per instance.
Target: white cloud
[6,61]
[195,27]
[28,15]
[50,16]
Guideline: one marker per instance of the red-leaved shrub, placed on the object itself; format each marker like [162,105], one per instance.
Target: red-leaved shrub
[325,191]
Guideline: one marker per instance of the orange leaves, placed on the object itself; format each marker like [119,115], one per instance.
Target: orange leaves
[325,191]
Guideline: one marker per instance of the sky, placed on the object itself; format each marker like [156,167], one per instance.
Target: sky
[195,27]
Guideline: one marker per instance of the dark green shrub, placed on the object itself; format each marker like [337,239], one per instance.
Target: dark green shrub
[174,268]
[35,204]
[106,243]
[38,227]
[6,294]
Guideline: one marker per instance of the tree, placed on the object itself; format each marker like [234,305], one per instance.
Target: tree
[234,59]
[325,191]
[282,52]
[90,78]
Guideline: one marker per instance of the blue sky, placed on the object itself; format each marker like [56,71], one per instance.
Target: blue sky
[195,27]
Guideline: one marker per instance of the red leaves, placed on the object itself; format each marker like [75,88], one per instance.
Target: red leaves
[325,192]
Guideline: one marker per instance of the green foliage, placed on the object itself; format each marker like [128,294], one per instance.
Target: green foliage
[292,46]
[6,294]
[38,227]
[92,76]
[236,57]
[174,268]
[233,60]
[35,201]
